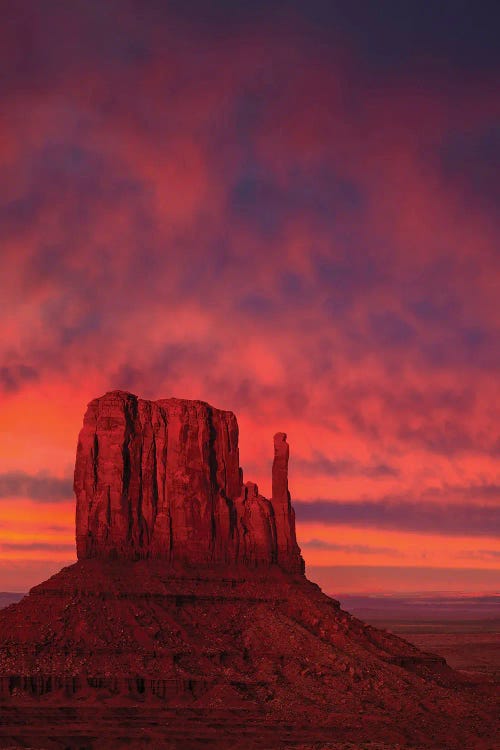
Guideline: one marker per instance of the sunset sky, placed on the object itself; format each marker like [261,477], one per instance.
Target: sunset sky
[287,209]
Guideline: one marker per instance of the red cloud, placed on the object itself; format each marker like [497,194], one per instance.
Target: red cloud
[272,227]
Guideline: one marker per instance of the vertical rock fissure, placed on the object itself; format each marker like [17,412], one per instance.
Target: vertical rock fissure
[140,516]
[95,460]
[214,488]
[108,510]
[126,498]
[154,487]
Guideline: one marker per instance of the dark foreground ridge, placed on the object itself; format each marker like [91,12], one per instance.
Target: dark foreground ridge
[188,622]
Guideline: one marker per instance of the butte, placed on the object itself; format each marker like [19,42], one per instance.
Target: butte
[188,620]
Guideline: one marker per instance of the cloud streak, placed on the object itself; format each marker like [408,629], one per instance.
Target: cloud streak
[398,513]
[356,549]
[321,464]
[41,488]
[38,547]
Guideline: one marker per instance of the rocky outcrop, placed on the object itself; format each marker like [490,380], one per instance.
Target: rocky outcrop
[187,621]
[161,479]
[215,658]
[285,515]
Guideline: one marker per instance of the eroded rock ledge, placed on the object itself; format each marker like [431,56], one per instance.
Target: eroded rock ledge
[161,479]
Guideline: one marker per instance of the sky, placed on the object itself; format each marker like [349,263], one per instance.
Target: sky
[286,209]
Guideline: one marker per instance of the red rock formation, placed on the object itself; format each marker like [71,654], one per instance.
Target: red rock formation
[204,632]
[288,550]
[161,479]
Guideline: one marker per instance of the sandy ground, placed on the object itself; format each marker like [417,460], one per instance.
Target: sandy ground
[473,647]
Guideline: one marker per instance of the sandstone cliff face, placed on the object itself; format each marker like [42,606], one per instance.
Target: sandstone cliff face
[161,479]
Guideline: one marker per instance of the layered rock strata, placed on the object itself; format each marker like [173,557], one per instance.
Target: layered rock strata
[161,479]
[216,657]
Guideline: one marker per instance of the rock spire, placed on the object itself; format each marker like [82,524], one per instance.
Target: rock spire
[284,513]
